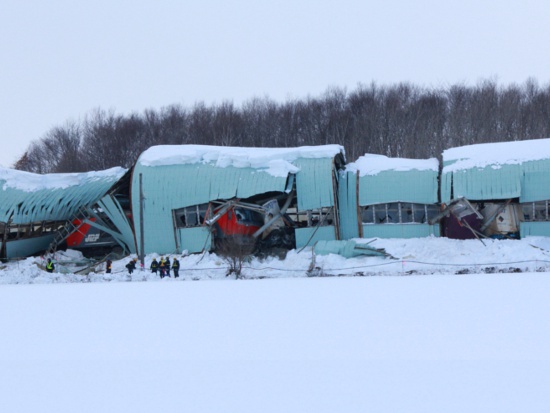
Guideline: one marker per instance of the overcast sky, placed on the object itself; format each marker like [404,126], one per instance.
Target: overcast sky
[60,59]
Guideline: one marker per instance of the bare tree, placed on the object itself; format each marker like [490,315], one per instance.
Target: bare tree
[236,251]
[401,120]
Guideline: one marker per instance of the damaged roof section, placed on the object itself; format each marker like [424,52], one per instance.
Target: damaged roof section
[494,171]
[179,176]
[26,197]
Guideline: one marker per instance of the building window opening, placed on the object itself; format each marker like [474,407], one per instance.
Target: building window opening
[398,213]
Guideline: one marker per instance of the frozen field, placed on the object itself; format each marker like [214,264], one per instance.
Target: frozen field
[446,326]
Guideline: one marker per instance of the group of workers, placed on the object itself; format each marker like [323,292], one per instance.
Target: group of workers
[164,266]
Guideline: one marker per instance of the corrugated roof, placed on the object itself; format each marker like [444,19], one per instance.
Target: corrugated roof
[26,197]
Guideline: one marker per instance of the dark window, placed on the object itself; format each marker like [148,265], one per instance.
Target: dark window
[192,216]
[535,211]
[398,213]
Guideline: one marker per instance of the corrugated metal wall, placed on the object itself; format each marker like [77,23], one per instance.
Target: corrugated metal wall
[114,211]
[20,248]
[194,240]
[400,230]
[528,181]
[309,236]
[347,200]
[490,182]
[314,183]
[535,183]
[534,229]
[394,186]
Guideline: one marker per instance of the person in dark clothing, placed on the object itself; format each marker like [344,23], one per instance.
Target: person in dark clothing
[176,268]
[167,266]
[131,266]
[154,266]
[162,267]
[108,266]
[50,267]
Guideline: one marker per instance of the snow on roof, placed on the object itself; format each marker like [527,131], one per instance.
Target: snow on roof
[31,182]
[495,154]
[371,164]
[275,161]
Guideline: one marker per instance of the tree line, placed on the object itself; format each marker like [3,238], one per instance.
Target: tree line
[401,120]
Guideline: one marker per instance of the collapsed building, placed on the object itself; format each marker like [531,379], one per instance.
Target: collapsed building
[389,198]
[193,197]
[498,190]
[38,212]
[199,198]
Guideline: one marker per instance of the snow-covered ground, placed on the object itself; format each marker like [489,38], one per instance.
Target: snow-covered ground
[451,326]
[420,256]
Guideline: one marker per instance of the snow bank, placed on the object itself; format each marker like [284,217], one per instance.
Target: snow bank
[371,164]
[275,161]
[31,182]
[495,154]
[431,255]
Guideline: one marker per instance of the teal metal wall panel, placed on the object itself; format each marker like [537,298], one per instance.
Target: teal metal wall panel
[446,186]
[400,230]
[528,180]
[540,229]
[114,211]
[26,247]
[488,183]
[314,185]
[535,185]
[194,239]
[347,206]
[394,186]
[303,235]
